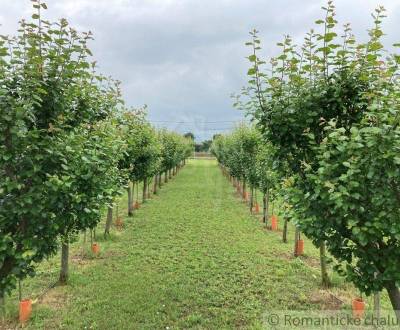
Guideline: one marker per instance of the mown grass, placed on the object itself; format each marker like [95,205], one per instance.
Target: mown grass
[192,257]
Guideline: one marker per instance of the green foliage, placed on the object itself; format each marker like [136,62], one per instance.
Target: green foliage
[204,146]
[246,157]
[89,177]
[189,135]
[329,111]
[175,148]
[357,184]
[54,154]
[266,168]
[143,153]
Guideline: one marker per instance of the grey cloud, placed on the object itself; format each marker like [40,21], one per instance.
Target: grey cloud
[184,57]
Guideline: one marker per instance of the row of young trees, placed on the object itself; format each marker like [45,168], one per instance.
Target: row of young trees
[248,162]
[68,146]
[330,110]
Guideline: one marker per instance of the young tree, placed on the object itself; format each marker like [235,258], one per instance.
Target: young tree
[266,174]
[357,183]
[249,140]
[136,131]
[325,82]
[89,180]
[48,90]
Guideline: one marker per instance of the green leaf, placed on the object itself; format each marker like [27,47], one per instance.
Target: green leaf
[251,72]
[252,58]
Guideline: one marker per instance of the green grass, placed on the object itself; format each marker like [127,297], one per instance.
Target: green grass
[192,257]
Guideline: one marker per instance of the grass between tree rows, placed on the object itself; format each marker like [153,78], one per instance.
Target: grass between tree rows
[192,256]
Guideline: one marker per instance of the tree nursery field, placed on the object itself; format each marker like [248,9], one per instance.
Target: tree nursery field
[192,256]
[107,221]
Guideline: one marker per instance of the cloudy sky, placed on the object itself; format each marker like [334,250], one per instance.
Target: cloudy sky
[183,58]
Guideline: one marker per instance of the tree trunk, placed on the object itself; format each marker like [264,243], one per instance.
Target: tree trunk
[377,302]
[155,185]
[266,206]
[149,189]
[244,187]
[144,189]
[284,234]
[2,304]
[377,305]
[326,282]
[170,173]
[159,180]
[296,239]
[109,221]
[130,200]
[251,199]
[166,177]
[64,273]
[265,218]
[394,296]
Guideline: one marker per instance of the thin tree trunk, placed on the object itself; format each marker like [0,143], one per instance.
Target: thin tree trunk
[144,190]
[19,291]
[267,206]
[244,187]
[149,189]
[109,221]
[159,180]
[326,282]
[296,239]
[377,305]
[166,177]
[377,301]
[170,173]
[265,218]
[64,272]
[155,184]
[2,304]
[284,234]
[394,296]
[251,199]
[130,199]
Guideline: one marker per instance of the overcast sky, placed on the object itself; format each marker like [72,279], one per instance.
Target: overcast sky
[183,58]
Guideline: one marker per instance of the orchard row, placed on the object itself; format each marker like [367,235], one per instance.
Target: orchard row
[68,145]
[327,137]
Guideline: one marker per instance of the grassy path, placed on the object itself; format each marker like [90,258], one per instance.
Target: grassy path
[190,257]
